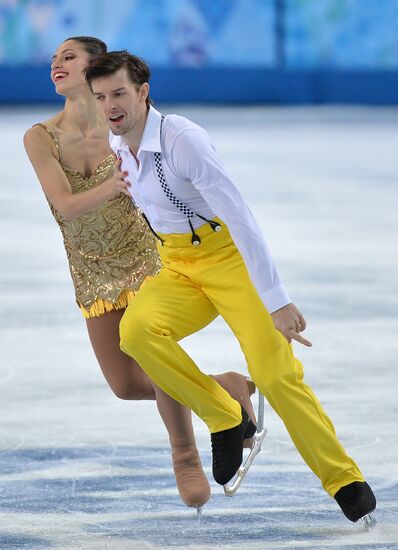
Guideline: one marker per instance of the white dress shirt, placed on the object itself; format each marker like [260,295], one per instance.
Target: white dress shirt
[196,176]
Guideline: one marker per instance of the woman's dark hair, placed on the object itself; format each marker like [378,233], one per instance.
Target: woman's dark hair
[107,64]
[93,46]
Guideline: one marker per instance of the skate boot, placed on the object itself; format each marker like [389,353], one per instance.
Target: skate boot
[357,501]
[192,484]
[227,449]
[240,388]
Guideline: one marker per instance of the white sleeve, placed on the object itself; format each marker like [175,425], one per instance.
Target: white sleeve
[194,158]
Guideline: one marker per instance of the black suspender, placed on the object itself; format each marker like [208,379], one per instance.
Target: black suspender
[180,205]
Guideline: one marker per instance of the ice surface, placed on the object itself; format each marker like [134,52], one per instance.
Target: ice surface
[81,469]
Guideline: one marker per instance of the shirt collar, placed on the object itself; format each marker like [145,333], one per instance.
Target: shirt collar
[150,140]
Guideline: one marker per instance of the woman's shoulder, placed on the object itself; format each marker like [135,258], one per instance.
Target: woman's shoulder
[41,129]
[42,137]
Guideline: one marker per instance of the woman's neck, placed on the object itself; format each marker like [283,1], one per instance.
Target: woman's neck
[81,112]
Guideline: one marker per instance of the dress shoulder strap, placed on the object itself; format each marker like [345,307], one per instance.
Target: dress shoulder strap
[53,137]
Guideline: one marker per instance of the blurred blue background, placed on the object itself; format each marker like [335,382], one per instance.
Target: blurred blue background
[215,51]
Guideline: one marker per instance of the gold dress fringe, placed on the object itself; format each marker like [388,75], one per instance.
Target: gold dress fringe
[101,306]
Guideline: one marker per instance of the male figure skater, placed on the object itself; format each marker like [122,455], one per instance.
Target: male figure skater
[215,261]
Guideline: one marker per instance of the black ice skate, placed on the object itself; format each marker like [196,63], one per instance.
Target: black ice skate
[227,449]
[257,439]
[357,501]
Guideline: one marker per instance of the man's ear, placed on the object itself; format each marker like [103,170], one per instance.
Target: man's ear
[144,91]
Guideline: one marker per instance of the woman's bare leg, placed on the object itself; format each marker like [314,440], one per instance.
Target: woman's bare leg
[128,381]
[125,377]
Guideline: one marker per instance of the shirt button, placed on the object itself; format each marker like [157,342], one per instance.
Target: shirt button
[147,202]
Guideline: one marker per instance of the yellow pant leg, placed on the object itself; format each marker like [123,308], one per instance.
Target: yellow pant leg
[276,372]
[168,308]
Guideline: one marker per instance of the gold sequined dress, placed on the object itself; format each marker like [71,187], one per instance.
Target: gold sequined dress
[110,249]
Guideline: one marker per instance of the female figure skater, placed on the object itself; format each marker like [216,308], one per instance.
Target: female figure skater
[110,250]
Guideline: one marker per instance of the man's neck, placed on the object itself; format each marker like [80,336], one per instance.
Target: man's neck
[134,136]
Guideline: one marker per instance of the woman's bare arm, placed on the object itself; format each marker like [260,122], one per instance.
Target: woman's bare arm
[56,185]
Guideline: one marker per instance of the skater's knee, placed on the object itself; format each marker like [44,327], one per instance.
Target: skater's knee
[139,328]
[275,376]
[131,383]
[132,393]
[122,392]
[130,327]
[132,330]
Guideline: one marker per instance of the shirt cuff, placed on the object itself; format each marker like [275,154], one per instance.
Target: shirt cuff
[275,299]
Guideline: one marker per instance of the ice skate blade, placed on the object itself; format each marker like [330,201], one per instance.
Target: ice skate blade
[230,490]
[368,522]
[199,511]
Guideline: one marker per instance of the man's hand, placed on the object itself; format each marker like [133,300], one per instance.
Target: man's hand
[289,321]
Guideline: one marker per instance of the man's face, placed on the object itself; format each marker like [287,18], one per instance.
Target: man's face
[121,101]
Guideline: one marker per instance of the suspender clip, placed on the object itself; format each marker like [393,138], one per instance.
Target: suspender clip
[215,226]
[195,240]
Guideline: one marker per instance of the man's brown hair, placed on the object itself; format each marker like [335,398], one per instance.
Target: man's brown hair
[107,64]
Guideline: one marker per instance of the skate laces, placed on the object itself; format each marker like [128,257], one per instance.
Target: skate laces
[220,443]
[351,492]
[250,429]
[223,443]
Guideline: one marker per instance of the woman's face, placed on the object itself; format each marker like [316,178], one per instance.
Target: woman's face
[68,63]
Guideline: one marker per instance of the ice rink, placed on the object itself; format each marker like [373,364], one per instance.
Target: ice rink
[80,469]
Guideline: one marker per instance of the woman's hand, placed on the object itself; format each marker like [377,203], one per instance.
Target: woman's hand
[118,184]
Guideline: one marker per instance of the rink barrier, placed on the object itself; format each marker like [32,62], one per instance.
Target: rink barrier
[31,84]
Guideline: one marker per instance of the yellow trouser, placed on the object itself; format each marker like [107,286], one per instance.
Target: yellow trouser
[193,287]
